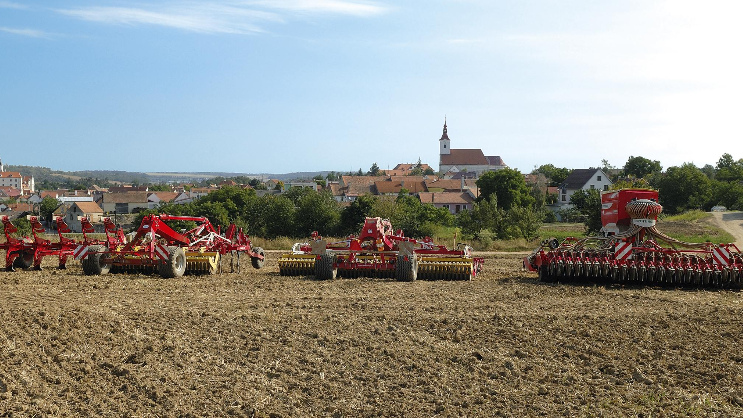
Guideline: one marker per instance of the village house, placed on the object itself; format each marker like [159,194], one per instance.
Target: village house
[156,198]
[125,202]
[72,214]
[455,202]
[297,184]
[582,179]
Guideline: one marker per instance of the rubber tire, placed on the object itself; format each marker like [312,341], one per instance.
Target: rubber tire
[257,262]
[92,263]
[406,270]
[23,261]
[324,269]
[175,265]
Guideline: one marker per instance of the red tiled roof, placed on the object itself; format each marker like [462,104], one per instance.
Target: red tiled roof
[11,174]
[385,187]
[447,198]
[165,196]
[358,185]
[495,160]
[88,207]
[125,197]
[464,157]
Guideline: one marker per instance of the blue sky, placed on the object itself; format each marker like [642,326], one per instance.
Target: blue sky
[277,86]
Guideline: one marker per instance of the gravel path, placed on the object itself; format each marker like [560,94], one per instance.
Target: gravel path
[731,222]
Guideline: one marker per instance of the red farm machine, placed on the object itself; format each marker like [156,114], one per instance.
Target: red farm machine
[634,251]
[380,252]
[158,247]
[28,252]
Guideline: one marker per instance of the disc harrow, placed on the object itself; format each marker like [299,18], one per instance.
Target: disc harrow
[380,252]
[632,252]
[156,247]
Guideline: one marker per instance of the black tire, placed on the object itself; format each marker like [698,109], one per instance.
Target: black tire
[92,265]
[406,269]
[324,269]
[175,265]
[23,261]
[544,274]
[258,262]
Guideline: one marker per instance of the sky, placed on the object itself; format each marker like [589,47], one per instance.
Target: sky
[278,86]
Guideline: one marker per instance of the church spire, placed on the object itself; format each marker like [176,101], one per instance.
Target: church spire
[445,135]
[444,142]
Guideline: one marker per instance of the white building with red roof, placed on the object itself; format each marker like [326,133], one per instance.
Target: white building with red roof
[452,161]
[15,180]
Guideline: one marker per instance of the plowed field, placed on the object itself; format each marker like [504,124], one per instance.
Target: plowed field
[258,344]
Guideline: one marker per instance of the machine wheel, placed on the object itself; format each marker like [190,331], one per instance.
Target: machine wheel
[175,265]
[92,265]
[324,269]
[23,261]
[543,273]
[406,270]
[258,262]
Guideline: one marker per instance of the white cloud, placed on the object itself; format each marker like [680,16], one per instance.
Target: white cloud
[11,5]
[355,8]
[204,18]
[25,32]
[239,17]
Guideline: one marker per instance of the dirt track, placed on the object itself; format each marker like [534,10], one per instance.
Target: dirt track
[258,344]
[732,222]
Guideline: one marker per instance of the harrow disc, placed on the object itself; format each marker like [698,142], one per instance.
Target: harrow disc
[297,265]
[202,262]
[445,269]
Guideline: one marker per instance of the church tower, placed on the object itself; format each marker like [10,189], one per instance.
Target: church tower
[444,142]
[2,168]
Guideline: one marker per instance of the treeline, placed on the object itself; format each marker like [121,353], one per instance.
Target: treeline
[506,209]
[48,179]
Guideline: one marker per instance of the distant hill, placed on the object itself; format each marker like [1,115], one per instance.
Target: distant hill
[49,176]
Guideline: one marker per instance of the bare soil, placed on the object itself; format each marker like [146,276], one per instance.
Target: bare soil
[259,344]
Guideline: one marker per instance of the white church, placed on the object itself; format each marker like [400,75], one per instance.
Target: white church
[468,163]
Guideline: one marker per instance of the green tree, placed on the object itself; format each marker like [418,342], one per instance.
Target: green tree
[728,194]
[319,180]
[47,207]
[508,186]
[485,214]
[682,188]
[374,170]
[728,169]
[556,175]
[271,216]
[353,215]
[630,183]
[524,222]
[234,200]
[332,176]
[316,211]
[709,171]
[588,203]
[640,167]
